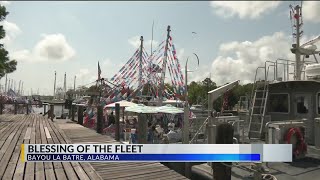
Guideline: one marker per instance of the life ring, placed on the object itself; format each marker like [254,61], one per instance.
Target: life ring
[301,146]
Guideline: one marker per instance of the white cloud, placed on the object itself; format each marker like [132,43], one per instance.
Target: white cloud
[243,9]
[135,42]
[12,31]
[5,3]
[311,11]
[52,47]
[239,60]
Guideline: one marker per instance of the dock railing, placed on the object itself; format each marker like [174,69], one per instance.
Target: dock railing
[20,108]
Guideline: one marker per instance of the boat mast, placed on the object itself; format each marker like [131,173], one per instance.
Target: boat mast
[296,47]
[164,67]
[74,86]
[5,87]
[22,88]
[140,62]
[65,85]
[19,89]
[54,86]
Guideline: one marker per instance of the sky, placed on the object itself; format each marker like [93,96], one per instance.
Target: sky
[232,38]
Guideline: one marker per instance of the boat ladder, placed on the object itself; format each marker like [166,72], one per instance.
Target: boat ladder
[258,109]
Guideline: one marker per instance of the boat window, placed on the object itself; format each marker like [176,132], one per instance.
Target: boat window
[279,103]
[318,103]
[302,105]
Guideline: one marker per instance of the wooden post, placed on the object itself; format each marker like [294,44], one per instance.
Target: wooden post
[51,111]
[117,133]
[27,106]
[1,107]
[73,108]
[80,115]
[44,109]
[224,136]
[15,108]
[142,129]
[211,129]
[100,120]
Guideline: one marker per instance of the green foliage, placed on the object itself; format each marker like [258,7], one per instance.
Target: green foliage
[6,65]
[93,88]
[197,93]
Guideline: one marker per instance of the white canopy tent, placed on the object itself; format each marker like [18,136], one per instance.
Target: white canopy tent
[122,103]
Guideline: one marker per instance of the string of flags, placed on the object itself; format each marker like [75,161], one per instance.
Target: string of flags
[152,66]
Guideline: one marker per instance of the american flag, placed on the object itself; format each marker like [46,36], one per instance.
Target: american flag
[99,71]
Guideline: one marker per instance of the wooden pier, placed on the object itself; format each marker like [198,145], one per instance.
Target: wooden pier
[36,129]
[116,170]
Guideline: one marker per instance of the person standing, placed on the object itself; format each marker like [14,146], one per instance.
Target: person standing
[111,119]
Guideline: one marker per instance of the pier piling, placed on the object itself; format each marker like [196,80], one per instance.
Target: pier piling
[15,108]
[51,115]
[142,129]
[222,171]
[100,120]
[80,115]
[73,108]
[117,133]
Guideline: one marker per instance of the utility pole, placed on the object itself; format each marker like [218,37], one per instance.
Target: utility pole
[140,62]
[164,67]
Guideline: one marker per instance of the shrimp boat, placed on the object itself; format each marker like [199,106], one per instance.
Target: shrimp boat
[282,110]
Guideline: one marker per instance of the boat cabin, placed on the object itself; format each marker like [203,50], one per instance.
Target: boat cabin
[295,100]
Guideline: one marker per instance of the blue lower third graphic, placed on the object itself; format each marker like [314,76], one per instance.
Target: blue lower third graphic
[147,157]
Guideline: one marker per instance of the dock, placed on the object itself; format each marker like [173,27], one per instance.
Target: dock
[36,129]
[116,170]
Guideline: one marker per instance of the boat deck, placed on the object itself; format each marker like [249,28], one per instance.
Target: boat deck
[115,170]
[35,129]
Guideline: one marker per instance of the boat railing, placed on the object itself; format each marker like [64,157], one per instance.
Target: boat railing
[201,129]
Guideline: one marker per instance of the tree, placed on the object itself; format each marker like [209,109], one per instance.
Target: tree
[209,84]
[6,65]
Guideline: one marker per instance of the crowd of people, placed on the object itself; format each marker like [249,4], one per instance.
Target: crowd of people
[160,126]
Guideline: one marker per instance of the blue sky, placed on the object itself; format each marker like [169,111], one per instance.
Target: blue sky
[83,33]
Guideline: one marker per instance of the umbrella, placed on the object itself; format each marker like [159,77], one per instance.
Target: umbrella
[122,103]
[140,108]
[169,109]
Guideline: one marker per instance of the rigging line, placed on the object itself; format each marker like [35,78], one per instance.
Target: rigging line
[89,83]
